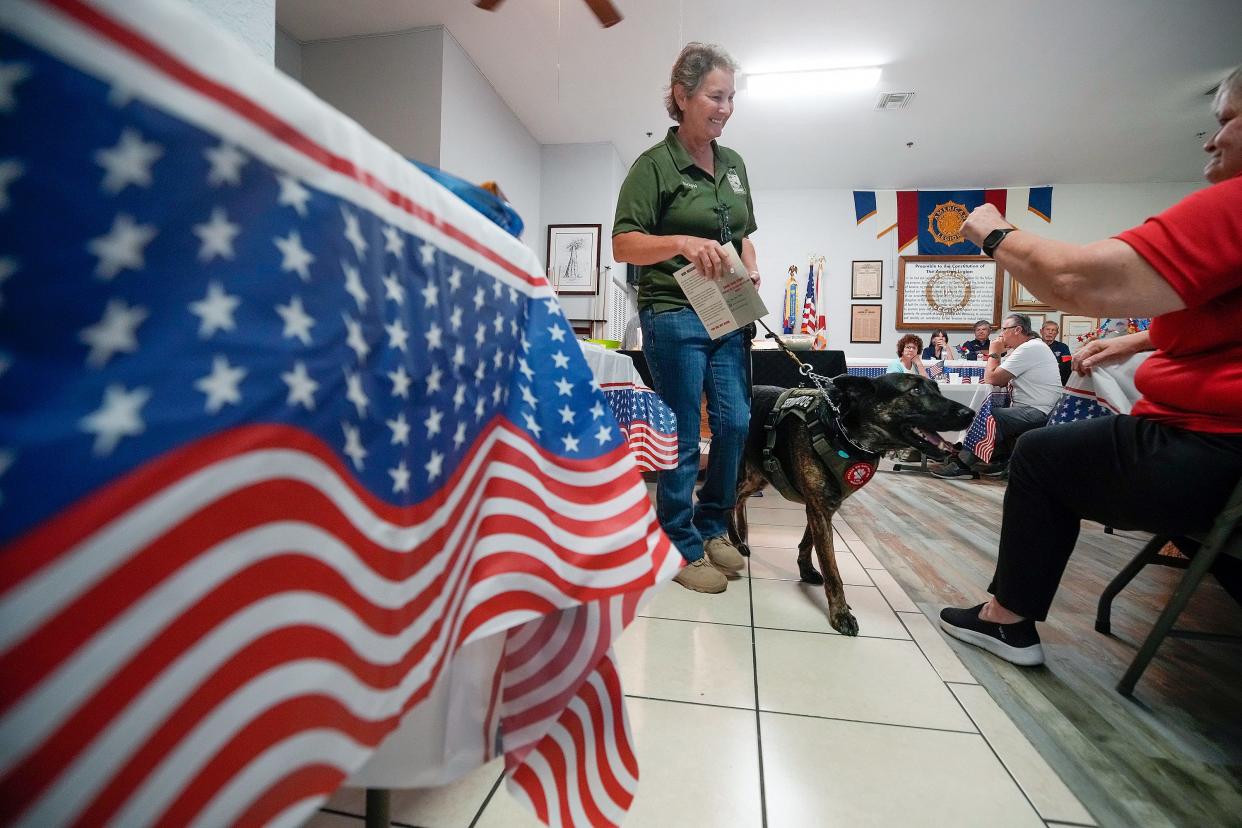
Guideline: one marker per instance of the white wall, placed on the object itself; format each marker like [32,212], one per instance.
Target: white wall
[391,84]
[796,224]
[482,140]
[253,21]
[580,185]
[288,54]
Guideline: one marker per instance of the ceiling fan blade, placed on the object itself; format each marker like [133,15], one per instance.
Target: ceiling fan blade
[488,5]
[605,11]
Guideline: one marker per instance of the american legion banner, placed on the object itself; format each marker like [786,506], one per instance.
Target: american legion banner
[303,476]
[934,218]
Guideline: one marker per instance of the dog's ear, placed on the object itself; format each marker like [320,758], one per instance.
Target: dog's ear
[854,389]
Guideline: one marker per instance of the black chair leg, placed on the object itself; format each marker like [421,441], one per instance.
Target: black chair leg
[1199,566]
[1103,610]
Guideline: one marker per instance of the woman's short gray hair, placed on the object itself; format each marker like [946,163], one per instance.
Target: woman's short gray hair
[692,65]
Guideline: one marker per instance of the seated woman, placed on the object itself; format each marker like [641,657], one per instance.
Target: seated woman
[1168,467]
[939,347]
[907,361]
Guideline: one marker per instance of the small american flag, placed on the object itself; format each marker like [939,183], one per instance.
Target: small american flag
[981,436]
[284,427]
[935,370]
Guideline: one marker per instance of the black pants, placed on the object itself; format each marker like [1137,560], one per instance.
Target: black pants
[1122,471]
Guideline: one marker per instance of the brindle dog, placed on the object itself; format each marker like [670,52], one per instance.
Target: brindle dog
[896,411]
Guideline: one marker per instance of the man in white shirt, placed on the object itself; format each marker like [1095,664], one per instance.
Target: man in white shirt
[1020,359]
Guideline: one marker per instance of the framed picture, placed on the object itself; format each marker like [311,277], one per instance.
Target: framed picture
[866,279]
[865,323]
[1021,299]
[1073,327]
[949,292]
[573,258]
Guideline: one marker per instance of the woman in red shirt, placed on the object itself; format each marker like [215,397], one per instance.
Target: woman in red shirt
[1169,466]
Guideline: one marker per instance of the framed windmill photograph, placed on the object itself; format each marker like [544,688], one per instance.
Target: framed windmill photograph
[573,258]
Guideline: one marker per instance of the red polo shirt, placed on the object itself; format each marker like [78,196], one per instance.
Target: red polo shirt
[1194,379]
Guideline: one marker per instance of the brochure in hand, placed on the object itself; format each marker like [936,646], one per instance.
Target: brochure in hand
[724,304]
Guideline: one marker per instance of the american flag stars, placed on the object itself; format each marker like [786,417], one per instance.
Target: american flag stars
[302,300]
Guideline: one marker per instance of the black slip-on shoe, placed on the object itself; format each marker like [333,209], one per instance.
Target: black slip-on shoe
[1016,643]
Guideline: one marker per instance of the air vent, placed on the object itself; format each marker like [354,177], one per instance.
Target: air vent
[890,101]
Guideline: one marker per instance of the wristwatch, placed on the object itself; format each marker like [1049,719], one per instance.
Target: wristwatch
[993,240]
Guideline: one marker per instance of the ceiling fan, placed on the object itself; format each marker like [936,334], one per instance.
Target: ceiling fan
[604,10]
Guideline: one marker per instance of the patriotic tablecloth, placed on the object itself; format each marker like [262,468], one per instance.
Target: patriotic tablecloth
[875,367]
[298,456]
[1107,390]
[649,425]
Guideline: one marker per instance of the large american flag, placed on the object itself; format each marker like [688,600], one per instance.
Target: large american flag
[294,449]
[981,436]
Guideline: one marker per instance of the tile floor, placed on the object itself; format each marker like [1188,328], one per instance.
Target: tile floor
[749,710]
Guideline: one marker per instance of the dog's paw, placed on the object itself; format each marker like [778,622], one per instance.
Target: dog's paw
[844,623]
[810,576]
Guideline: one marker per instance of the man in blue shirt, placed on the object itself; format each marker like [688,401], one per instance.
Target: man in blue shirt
[1060,350]
[977,348]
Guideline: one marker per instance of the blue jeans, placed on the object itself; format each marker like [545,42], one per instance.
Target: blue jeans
[685,362]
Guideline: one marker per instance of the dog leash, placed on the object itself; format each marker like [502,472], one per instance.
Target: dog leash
[823,384]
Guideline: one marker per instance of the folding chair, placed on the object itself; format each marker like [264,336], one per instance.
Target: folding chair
[1224,538]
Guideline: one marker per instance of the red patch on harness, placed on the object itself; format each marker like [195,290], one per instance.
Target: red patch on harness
[858,474]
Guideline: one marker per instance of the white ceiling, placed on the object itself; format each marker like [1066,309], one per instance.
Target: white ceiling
[1009,92]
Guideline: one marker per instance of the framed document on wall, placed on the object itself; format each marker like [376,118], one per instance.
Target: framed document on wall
[949,292]
[1073,327]
[866,279]
[1021,299]
[865,323]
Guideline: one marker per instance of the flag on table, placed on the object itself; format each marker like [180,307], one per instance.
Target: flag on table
[287,426]
[981,436]
[649,425]
[808,304]
[791,301]
[935,370]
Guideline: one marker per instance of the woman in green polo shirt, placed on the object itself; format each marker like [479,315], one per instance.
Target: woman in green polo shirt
[683,201]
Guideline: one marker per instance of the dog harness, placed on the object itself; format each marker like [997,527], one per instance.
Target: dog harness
[851,464]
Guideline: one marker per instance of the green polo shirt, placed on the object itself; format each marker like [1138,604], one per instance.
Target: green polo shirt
[667,194]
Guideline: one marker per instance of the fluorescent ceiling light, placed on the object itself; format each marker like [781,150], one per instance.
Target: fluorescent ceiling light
[813,82]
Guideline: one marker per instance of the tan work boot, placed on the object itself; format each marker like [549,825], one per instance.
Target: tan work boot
[724,555]
[701,576]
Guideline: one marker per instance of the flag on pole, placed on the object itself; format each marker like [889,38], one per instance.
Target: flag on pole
[821,326]
[286,427]
[791,301]
[808,305]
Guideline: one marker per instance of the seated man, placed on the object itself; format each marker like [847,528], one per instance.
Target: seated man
[1048,333]
[977,348]
[1028,367]
[1171,464]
